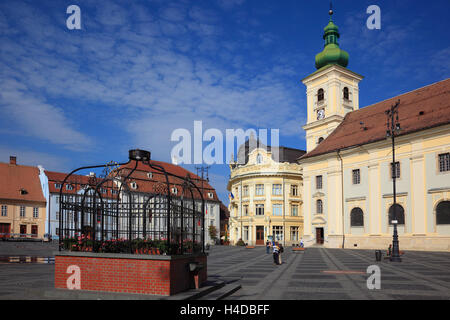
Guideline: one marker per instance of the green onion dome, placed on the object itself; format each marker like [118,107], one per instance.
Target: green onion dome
[331,54]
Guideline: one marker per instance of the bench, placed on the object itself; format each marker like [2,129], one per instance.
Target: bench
[298,249]
[250,247]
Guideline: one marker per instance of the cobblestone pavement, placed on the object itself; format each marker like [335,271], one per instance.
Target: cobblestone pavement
[318,273]
[332,274]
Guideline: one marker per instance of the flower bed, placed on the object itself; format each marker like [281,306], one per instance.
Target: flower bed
[136,246]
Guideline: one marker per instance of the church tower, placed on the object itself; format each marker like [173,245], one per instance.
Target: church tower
[332,90]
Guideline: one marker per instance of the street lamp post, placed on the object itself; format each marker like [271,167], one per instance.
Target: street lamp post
[393,127]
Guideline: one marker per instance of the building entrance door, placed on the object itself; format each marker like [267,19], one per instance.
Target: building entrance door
[259,235]
[23,230]
[5,229]
[319,235]
[34,231]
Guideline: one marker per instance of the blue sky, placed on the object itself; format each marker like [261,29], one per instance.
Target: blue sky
[137,70]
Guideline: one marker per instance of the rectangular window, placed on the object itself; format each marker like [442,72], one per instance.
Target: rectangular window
[4,211]
[294,234]
[395,171]
[294,211]
[277,233]
[356,176]
[22,212]
[318,182]
[69,187]
[277,209]
[276,189]
[58,185]
[245,191]
[444,162]
[245,233]
[294,190]
[245,210]
[35,212]
[259,210]
[259,189]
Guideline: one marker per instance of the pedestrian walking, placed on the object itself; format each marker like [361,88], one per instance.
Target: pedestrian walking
[280,251]
[301,243]
[276,251]
[267,246]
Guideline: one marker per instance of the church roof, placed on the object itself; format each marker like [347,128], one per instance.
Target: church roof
[420,109]
[331,53]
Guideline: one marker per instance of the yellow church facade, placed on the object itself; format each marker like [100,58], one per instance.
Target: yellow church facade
[346,199]
[348,168]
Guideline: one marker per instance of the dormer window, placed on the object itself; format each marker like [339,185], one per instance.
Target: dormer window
[320,95]
[150,175]
[174,190]
[320,140]
[23,192]
[346,94]
[69,187]
[210,195]
[58,185]
[133,185]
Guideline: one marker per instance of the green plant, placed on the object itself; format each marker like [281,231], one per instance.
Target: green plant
[240,242]
[212,232]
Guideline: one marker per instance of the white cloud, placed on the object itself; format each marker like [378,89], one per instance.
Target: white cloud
[153,73]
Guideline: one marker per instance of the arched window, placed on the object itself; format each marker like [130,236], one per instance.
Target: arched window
[346,96]
[357,217]
[399,212]
[319,206]
[320,95]
[320,140]
[443,213]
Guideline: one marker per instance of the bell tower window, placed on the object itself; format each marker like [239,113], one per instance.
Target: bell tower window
[320,95]
[346,94]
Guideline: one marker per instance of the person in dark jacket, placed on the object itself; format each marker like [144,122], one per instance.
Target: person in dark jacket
[276,252]
[281,250]
[267,246]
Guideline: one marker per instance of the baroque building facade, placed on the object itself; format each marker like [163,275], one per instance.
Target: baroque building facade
[346,176]
[348,170]
[266,201]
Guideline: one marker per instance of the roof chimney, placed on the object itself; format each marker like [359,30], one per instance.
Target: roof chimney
[12,160]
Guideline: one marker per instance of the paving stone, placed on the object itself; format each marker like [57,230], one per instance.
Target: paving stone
[309,284]
[292,295]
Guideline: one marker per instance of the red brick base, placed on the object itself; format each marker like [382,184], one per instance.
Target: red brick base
[161,275]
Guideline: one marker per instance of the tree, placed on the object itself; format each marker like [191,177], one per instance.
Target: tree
[213,232]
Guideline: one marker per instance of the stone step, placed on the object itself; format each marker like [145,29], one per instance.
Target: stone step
[223,292]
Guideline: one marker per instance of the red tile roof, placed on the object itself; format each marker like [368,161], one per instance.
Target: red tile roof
[420,109]
[146,184]
[78,182]
[14,178]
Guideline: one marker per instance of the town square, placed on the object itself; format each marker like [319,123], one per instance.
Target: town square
[250,153]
